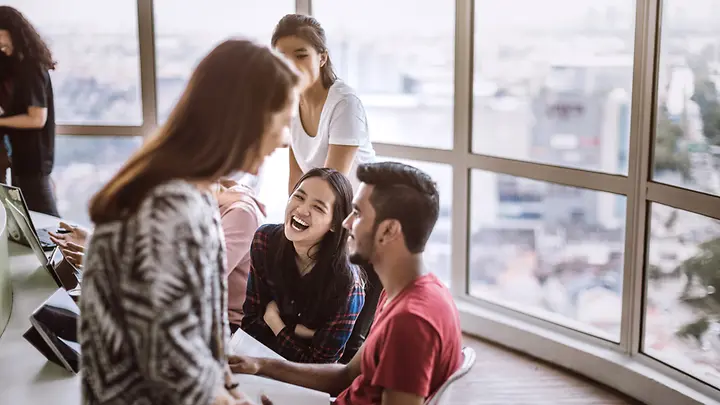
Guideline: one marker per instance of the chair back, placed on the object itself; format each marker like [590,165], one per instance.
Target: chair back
[442,395]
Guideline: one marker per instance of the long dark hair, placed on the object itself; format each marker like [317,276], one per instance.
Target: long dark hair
[310,30]
[332,274]
[28,46]
[215,129]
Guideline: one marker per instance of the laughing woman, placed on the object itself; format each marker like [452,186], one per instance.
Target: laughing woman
[303,295]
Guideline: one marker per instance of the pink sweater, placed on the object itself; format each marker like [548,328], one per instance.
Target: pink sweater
[241,214]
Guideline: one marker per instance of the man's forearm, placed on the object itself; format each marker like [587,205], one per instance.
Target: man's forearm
[330,378]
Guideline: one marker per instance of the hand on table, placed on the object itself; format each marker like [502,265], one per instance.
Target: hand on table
[244,364]
[72,244]
[75,234]
[73,253]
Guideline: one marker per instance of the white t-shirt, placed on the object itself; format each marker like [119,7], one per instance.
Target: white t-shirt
[342,122]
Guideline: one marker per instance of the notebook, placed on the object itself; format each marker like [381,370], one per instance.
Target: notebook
[243,344]
[279,393]
[56,321]
[255,387]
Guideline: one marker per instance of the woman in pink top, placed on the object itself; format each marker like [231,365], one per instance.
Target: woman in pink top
[240,214]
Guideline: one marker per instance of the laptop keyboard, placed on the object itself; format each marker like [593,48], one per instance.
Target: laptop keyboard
[44,238]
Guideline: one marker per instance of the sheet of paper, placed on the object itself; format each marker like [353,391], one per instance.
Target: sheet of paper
[243,344]
[278,392]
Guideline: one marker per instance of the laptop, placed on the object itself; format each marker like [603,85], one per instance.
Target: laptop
[54,330]
[13,197]
[63,273]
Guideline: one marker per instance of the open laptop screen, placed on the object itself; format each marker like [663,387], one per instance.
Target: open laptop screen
[25,228]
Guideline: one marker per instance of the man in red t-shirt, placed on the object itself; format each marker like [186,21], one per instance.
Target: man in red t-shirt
[415,343]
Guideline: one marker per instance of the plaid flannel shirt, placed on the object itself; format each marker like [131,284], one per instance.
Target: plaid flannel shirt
[329,341]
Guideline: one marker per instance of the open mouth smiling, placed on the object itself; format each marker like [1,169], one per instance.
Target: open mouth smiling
[298,224]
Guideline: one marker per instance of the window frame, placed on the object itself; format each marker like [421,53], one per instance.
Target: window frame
[621,366]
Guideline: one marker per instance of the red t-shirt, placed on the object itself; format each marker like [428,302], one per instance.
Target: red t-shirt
[414,346]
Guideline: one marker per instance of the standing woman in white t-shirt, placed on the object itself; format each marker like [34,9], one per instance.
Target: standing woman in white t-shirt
[331,128]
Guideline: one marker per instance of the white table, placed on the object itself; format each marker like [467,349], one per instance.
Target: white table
[26,377]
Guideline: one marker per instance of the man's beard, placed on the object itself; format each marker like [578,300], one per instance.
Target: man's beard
[360,259]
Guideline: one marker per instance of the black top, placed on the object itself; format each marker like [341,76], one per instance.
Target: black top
[33,150]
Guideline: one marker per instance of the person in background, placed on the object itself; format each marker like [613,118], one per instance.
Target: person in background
[331,128]
[240,216]
[153,325]
[303,295]
[415,344]
[29,119]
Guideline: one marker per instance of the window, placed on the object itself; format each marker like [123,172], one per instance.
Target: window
[687,131]
[399,57]
[683,285]
[438,249]
[558,255]
[83,164]
[97,79]
[185,32]
[271,185]
[554,87]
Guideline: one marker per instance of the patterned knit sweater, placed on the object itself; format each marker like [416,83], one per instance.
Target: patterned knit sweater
[154,303]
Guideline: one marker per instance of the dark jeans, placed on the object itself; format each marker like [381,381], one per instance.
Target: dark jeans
[38,192]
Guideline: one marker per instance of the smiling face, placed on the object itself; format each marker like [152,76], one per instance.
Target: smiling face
[307,59]
[6,44]
[361,224]
[308,215]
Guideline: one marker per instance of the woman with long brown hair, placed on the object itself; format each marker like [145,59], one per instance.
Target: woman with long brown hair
[330,129]
[154,296]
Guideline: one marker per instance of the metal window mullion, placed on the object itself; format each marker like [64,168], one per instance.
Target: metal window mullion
[462,133]
[303,7]
[148,84]
[99,130]
[567,176]
[645,70]
[687,200]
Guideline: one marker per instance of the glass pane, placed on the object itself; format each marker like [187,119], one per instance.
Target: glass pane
[438,249]
[272,185]
[682,313]
[399,57]
[185,32]
[549,250]
[95,44]
[554,87]
[83,164]
[687,131]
